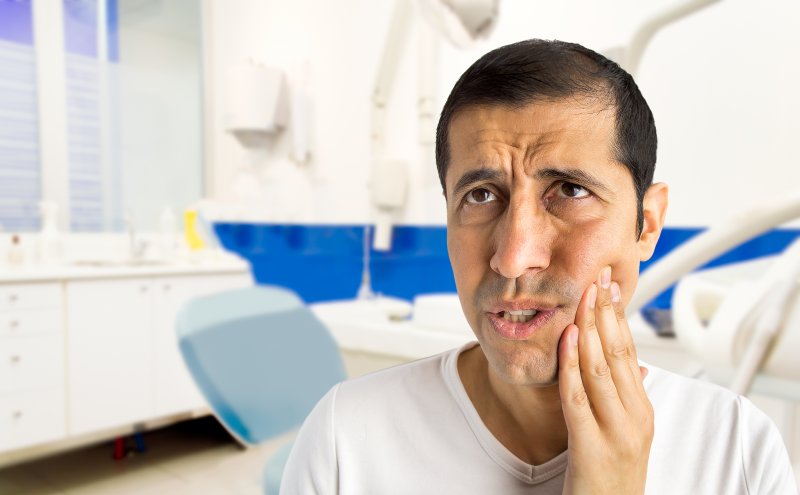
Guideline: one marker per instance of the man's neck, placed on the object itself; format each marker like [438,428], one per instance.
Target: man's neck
[528,421]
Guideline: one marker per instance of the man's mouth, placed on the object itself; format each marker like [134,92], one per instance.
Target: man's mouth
[519,324]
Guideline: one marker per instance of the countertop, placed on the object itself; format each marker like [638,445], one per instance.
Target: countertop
[92,269]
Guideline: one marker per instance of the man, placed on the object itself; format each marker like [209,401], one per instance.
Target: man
[546,152]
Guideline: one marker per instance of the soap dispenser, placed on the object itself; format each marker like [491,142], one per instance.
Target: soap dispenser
[49,247]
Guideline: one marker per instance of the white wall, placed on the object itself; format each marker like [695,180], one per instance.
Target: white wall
[721,86]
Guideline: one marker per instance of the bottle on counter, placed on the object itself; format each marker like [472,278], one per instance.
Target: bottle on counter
[168,224]
[191,230]
[49,248]
[16,253]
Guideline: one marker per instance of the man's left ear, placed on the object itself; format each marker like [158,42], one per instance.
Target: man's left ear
[654,206]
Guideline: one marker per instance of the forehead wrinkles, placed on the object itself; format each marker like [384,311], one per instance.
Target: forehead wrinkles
[518,155]
[503,139]
[500,148]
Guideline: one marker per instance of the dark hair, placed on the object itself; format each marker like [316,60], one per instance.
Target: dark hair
[518,74]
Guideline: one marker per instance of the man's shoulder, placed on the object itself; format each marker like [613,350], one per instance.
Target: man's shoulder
[665,386]
[714,435]
[695,406]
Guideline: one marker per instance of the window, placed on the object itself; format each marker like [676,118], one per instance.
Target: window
[20,172]
[128,103]
[88,164]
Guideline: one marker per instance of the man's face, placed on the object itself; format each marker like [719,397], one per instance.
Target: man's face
[536,206]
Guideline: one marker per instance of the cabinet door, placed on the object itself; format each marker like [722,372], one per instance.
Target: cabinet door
[175,389]
[110,342]
[31,417]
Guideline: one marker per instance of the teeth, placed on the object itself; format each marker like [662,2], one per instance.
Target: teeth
[519,316]
[519,312]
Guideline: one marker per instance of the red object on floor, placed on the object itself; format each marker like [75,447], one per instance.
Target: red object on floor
[119,448]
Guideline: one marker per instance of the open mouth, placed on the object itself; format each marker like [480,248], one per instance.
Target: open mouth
[518,316]
[519,324]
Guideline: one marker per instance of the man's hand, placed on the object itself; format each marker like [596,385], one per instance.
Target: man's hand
[609,417]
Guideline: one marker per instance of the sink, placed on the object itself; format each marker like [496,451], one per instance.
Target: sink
[118,263]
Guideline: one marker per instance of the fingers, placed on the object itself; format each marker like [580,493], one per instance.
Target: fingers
[574,400]
[596,374]
[617,342]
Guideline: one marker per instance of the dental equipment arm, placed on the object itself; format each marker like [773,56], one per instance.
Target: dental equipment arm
[380,182]
[712,243]
[396,40]
[462,22]
[632,54]
[768,312]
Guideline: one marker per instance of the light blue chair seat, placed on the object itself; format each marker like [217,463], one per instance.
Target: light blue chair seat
[262,360]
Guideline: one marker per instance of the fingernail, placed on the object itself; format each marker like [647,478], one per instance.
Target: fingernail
[605,277]
[592,296]
[573,337]
[615,294]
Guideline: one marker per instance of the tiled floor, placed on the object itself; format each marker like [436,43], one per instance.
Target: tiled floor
[195,457]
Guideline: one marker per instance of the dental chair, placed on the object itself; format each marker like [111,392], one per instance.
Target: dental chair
[262,360]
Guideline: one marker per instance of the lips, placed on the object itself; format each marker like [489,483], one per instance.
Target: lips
[519,327]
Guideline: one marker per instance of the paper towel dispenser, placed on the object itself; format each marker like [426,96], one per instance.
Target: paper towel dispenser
[257,100]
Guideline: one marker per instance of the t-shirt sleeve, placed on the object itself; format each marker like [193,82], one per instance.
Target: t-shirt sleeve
[767,467]
[312,467]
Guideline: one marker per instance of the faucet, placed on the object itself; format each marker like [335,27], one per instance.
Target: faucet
[136,248]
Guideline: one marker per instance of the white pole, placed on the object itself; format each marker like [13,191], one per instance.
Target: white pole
[48,36]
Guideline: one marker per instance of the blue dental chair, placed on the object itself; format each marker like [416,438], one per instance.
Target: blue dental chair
[262,360]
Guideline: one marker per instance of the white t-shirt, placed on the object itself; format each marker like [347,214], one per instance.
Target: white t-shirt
[412,429]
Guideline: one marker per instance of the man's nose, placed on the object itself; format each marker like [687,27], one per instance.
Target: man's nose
[524,243]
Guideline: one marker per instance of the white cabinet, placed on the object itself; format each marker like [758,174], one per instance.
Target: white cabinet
[91,354]
[32,378]
[175,390]
[31,362]
[109,343]
[29,296]
[31,417]
[125,366]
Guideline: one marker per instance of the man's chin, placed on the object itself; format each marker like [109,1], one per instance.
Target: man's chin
[536,370]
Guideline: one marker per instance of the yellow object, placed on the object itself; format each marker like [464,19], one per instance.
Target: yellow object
[193,239]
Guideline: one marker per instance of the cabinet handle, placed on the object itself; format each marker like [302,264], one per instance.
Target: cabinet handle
[13,298]
[143,289]
[13,324]
[15,359]
[167,287]
[16,414]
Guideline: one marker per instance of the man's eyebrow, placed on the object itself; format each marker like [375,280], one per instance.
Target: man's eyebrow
[576,175]
[473,176]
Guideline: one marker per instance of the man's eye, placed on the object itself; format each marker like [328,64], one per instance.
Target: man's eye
[480,196]
[573,191]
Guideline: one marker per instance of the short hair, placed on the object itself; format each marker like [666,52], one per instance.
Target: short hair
[541,70]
